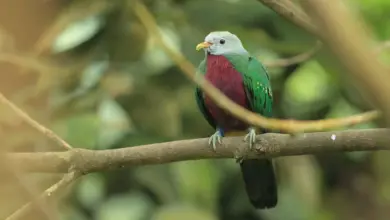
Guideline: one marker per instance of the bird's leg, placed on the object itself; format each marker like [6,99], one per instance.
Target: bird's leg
[216,138]
[251,137]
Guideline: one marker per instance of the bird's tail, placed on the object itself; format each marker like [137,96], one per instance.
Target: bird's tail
[260,182]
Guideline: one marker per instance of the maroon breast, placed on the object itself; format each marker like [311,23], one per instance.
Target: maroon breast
[223,76]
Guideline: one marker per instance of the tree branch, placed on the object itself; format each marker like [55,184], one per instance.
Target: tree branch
[56,188]
[305,56]
[268,145]
[346,37]
[32,194]
[287,126]
[295,59]
[28,61]
[51,192]
[49,133]
[81,161]
[289,10]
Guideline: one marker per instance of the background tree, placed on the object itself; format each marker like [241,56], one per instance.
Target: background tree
[95,73]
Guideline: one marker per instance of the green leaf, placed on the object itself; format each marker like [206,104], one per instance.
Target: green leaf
[77,33]
[92,74]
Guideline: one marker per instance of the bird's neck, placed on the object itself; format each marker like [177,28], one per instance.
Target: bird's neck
[217,62]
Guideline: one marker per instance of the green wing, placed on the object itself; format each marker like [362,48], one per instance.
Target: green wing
[256,83]
[200,97]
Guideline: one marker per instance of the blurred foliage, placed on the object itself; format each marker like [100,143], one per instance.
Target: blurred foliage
[120,89]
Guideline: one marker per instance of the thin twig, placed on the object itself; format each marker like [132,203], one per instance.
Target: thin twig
[42,205]
[51,192]
[28,61]
[288,10]
[49,133]
[310,54]
[295,59]
[287,126]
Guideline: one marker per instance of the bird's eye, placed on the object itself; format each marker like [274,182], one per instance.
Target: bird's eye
[222,41]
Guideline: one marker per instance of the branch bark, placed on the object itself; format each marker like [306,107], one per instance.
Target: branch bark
[268,145]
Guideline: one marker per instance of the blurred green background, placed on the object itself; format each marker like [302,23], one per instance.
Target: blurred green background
[110,86]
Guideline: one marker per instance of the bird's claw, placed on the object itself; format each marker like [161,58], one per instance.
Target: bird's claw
[239,159]
[214,139]
[252,137]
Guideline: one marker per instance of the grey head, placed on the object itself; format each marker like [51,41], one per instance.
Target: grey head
[222,43]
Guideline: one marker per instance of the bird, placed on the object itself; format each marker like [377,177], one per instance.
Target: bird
[241,77]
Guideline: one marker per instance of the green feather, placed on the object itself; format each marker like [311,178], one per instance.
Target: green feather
[256,82]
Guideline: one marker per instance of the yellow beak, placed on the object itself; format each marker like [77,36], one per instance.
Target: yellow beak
[203,45]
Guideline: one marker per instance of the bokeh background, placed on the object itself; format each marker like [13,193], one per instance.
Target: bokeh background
[89,70]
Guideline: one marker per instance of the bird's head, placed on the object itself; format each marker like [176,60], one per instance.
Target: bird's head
[222,43]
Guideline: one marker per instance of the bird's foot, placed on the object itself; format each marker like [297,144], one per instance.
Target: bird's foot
[238,159]
[214,139]
[251,137]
